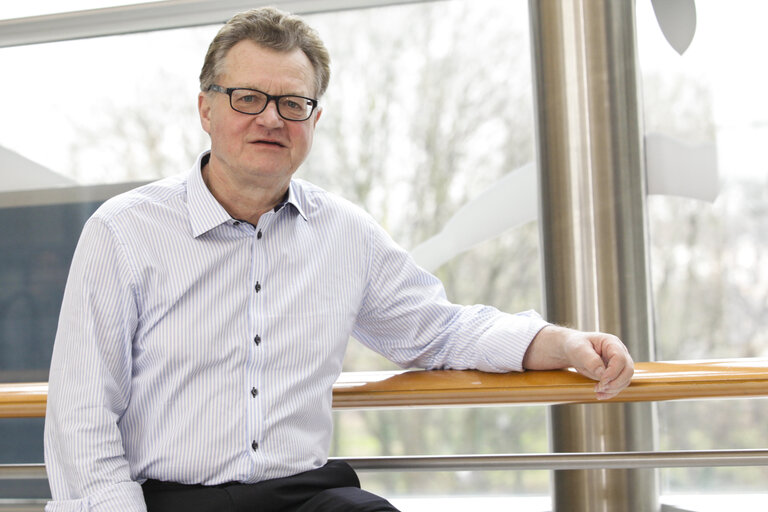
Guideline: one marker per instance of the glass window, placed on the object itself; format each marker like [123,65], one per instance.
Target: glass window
[105,110]
[709,257]
[86,122]
[429,106]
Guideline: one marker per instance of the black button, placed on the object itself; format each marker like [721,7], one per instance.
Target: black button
[258,235]
[254,392]
[236,223]
[257,287]
[257,339]
[255,446]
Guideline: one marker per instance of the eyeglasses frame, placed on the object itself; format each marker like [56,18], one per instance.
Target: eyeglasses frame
[229,90]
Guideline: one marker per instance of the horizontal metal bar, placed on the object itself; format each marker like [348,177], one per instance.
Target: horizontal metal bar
[555,461]
[615,460]
[153,16]
[23,472]
[22,505]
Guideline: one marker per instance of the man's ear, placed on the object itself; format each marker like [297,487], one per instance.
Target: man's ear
[204,109]
[318,112]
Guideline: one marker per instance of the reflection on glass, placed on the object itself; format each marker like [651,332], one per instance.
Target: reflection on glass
[111,121]
[428,106]
[446,92]
[710,260]
[20,173]
[710,276]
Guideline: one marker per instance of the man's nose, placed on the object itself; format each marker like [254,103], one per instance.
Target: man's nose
[269,116]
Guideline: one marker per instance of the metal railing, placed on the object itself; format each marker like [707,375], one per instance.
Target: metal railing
[653,381]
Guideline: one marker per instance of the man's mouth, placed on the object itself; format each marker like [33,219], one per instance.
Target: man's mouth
[269,142]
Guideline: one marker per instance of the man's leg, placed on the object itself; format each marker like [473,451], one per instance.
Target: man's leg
[333,487]
[348,499]
[289,493]
[172,497]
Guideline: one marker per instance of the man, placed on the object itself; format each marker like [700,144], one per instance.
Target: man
[206,316]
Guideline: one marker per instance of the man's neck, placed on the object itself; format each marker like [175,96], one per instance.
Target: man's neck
[243,201]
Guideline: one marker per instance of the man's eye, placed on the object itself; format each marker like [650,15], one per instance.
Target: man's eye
[293,104]
[248,99]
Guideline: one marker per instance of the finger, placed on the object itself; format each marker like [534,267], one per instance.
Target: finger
[613,353]
[588,363]
[605,392]
[593,357]
[625,379]
[608,388]
[618,363]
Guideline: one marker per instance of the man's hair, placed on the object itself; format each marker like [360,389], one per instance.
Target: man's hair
[269,28]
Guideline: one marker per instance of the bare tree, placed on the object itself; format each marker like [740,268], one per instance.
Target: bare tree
[711,288]
[159,137]
[418,121]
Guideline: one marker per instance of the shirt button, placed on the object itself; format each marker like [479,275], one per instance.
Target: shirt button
[254,446]
[258,235]
[254,392]
[236,223]
[257,287]
[257,339]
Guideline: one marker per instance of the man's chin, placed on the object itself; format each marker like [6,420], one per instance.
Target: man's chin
[268,169]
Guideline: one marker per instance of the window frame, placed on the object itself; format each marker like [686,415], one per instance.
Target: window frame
[161,15]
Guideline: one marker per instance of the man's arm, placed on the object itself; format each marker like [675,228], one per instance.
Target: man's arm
[89,383]
[406,317]
[599,356]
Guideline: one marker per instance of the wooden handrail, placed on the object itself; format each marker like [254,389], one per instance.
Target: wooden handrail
[653,381]
[24,400]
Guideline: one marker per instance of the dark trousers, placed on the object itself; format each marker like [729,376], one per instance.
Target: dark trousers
[333,487]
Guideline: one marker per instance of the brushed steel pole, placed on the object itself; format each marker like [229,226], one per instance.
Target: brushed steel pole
[593,228]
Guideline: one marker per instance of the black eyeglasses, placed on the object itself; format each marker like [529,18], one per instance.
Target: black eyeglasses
[253,101]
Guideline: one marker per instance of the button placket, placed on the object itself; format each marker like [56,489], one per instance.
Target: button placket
[254,402]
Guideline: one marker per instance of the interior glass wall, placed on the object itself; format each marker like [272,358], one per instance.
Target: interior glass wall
[429,108]
[706,121]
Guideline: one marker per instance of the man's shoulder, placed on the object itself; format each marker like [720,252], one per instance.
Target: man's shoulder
[159,194]
[318,202]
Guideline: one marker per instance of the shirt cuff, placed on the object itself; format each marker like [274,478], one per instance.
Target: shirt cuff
[122,497]
[506,342]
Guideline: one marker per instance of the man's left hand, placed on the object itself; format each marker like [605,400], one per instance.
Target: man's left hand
[599,356]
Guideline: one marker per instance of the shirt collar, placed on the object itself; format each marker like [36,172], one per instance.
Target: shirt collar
[206,213]
[294,200]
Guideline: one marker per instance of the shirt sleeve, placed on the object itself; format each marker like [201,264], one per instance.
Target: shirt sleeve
[89,382]
[406,317]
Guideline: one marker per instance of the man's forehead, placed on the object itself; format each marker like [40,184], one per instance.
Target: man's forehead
[256,64]
[247,51]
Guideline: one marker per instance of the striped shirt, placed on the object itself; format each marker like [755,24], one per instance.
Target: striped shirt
[196,348]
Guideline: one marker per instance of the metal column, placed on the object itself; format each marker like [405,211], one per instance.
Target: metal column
[593,228]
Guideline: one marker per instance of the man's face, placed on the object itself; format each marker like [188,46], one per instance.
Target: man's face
[263,147]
